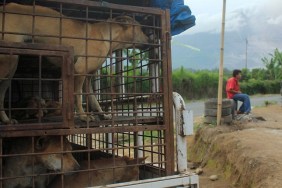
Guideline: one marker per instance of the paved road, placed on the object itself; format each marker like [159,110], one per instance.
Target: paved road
[198,106]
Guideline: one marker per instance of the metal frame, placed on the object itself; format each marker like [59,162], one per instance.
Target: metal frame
[181,181]
[150,116]
[66,53]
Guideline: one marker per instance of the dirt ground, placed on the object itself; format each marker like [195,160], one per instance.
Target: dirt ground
[243,154]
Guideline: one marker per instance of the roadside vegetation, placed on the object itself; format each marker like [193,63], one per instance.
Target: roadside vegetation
[204,83]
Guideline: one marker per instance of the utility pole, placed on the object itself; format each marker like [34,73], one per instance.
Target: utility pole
[220,77]
[246,65]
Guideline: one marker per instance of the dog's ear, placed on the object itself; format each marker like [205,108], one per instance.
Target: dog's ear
[131,161]
[146,20]
[41,143]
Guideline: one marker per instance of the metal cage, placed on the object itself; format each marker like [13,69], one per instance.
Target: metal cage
[132,86]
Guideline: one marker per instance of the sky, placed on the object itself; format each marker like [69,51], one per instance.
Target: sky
[209,13]
[258,21]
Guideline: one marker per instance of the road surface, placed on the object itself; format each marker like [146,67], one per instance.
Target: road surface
[198,106]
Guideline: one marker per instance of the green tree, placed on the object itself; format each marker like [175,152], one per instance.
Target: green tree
[273,65]
[258,74]
[135,73]
[246,74]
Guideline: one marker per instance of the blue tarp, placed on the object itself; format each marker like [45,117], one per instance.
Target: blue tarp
[181,18]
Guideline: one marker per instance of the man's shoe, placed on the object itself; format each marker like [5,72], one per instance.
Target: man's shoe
[239,112]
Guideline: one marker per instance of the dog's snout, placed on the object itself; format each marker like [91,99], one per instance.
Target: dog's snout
[148,43]
[149,32]
[150,37]
[144,47]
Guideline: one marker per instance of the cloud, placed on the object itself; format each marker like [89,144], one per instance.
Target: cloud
[275,21]
[258,21]
[271,8]
[205,23]
[256,14]
[235,21]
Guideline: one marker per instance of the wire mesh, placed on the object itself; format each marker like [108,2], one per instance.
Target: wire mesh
[128,131]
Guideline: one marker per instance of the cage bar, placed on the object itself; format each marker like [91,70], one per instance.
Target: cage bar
[133,130]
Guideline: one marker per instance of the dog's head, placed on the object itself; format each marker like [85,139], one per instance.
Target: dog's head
[54,108]
[131,32]
[59,157]
[35,107]
[132,168]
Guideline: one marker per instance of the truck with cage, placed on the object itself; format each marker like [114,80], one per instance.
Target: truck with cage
[86,97]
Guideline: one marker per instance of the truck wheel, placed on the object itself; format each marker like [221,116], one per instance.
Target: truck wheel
[212,103]
[213,112]
[212,120]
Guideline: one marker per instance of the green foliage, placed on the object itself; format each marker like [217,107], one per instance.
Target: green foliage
[267,103]
[273,65]
[246,75]
[195,85]
[136,76]
[260,86]
[258,74]
[204,84]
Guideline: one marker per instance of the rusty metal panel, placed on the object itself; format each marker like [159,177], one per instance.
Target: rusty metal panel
[39,50]
[132,85]
[104,4]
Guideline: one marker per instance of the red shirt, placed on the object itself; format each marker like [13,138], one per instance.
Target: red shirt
[232,84]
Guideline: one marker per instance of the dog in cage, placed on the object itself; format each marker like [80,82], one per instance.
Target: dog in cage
[27,157]
[36,107]
[101,172]
[53,108]
[110,35]
[32,107]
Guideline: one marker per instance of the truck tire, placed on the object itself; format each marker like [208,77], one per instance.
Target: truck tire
[212,103]
[213,112]
[212,120]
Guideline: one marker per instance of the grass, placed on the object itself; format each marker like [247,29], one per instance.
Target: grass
[267,103]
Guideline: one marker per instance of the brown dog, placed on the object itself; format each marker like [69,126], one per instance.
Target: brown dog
[122,28]
[40,163]
[53,108]
[106,171]
[35,107]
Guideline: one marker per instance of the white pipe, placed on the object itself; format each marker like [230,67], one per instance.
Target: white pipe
[184,126]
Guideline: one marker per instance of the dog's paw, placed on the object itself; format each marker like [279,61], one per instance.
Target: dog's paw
[14,121]
[107,116]
[10,122]
[87,118]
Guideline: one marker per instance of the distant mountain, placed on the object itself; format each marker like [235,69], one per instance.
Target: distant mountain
[208,56]
[263,33]
[205,58]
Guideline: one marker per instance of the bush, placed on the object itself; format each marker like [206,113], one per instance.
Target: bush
[204,84]
[260,87]
[195,85]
